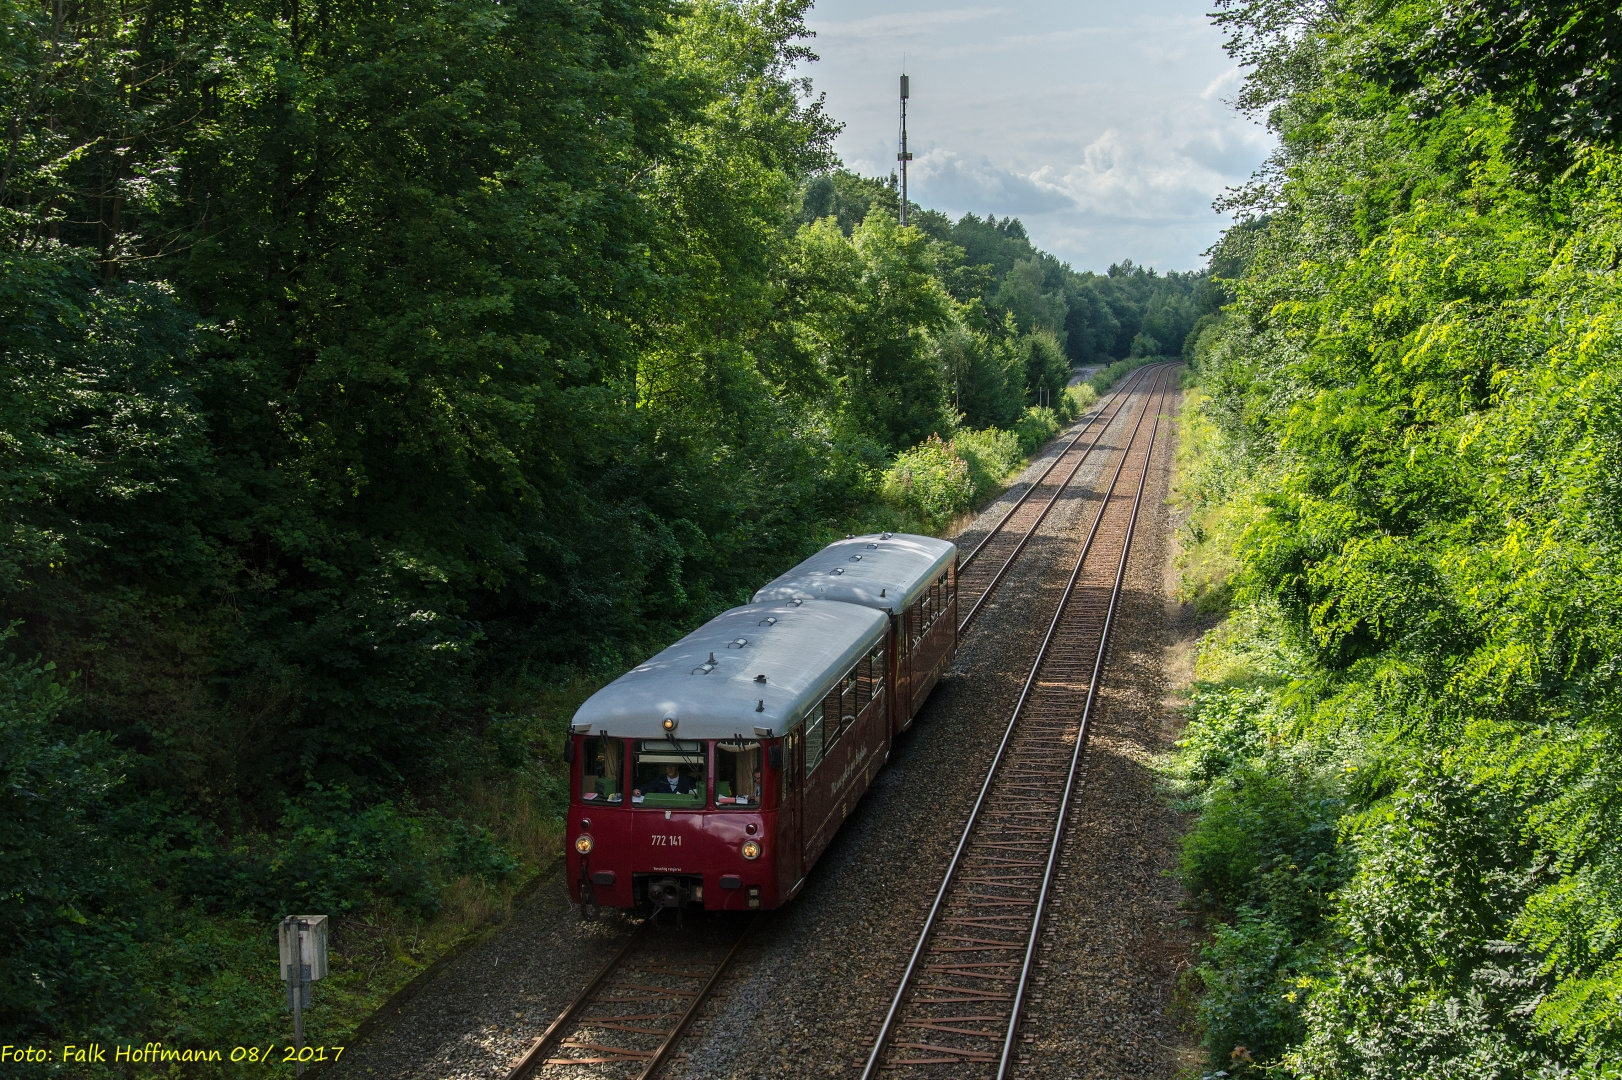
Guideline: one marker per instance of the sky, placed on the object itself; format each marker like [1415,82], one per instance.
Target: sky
[1103,126]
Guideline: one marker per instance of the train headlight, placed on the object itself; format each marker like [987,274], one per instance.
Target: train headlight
[751,849]
[583,843]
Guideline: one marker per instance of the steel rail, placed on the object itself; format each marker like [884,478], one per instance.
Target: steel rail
[535,1057]
[1075,755]
[1129,386]
[665,1047]
[887,1028]
[1132,378]
[525,1065]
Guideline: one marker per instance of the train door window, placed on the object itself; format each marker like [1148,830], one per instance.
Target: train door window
[737,775]
[602,766]
[813,738]
[669,772]
[789,773]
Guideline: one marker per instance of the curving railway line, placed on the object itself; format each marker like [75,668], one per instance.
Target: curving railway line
[958,1006]
[962,992]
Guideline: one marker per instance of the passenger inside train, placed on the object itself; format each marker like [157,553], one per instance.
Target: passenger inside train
[669,773]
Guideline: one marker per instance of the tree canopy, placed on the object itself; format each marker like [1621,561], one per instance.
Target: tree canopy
[1404,738]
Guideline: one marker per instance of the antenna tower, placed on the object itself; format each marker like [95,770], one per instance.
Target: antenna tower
[904,156]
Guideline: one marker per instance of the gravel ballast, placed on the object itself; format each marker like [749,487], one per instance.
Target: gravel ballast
[809,990]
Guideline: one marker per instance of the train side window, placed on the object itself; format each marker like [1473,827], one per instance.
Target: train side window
[870,676]
[833,718]
[669,772]
[813,739]
[601,767]
[849,705]
[737,775]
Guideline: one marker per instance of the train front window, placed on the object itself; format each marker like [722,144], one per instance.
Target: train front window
[669,772]
[601,769]
[737,775]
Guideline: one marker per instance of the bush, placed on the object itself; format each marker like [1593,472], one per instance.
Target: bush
[1078,399]
[333,856]
[1037,426]
[1266,840]
[70,920]
[987,377]
[931,481]
[991,455]
[1265,850]
[1251,1011]
[1047,370]
[1112,374]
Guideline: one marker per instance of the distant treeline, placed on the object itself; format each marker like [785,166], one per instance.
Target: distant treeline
[1130,311]
[379,375]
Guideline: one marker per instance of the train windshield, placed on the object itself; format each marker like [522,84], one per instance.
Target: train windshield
[669,773]
[601,769]
[737,775]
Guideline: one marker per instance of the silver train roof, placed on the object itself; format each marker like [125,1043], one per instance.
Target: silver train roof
[887,571]
[800,648]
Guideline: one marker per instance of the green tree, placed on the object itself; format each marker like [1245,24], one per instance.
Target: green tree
[869,306]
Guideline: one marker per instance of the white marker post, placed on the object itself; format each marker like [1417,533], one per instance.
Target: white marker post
[303,946]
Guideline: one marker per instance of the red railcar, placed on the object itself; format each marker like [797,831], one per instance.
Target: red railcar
[715,773]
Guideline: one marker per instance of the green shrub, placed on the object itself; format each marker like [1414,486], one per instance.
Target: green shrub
[69,923]
[991,455]
[1112,374]
[1229,727]
[1267,840]
[1037,426]
[1251,1010]
[931,481]
[1264,850]
[330,855]
[1078,399]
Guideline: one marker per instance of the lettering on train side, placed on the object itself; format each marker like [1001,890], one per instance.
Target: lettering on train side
[850,767]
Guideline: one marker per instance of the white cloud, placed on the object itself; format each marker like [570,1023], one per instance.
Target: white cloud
[945,178]
[1226,83]
[1101,125]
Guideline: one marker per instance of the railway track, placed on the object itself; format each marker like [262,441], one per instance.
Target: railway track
[628,1019]
[979,574]
[958,1007]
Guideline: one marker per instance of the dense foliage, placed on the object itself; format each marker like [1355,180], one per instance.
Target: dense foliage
[381,377]
[1405,740]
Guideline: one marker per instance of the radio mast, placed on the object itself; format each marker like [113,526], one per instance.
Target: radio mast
[904,156]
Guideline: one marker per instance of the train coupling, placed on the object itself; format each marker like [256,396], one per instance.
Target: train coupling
[673,891]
